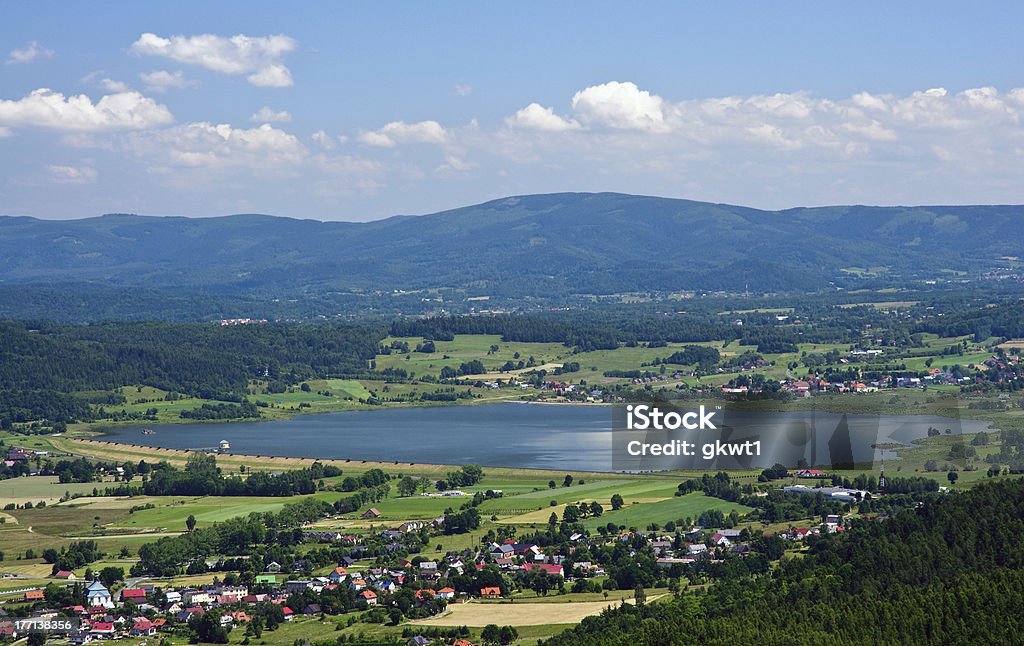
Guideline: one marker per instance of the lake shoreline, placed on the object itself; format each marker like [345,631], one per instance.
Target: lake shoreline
[553,435]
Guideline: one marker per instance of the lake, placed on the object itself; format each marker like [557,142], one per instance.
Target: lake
[518,435]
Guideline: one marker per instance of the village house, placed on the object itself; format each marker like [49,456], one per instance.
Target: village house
[138,595]
[552,569]
[369,596]
[446,594]
[142,627]
[196,597]
[490,593]
[338,575]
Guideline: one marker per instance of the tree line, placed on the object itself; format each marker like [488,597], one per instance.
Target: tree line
[947,572]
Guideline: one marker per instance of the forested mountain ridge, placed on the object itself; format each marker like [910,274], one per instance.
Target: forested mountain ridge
[948,573]
[520,246]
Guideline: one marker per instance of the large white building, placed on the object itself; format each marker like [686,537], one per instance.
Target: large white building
[98,595]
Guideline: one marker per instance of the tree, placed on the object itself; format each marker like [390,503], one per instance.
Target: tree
[111,575]
[551,484]
[201,464]
[639,595]
[491,635]
[568,481]
[540,582]
[952,476]
[407,486]
[207,628]
[190,522]
[507,635]
[617,502]
[395,616]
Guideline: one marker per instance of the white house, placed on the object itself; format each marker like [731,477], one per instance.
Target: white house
[98,595]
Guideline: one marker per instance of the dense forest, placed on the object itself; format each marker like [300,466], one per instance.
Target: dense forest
[41,363]
[1005,320]
[949,572]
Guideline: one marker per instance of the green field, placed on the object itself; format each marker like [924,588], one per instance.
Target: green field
[48,488]
[675,509]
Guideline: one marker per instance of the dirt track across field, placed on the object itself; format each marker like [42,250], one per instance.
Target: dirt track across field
[517,614]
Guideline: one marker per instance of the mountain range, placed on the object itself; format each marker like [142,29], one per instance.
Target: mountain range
[533,245]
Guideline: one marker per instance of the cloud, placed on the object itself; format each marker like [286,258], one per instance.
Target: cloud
[257,56]
[72,174]
[400,132]
[206,145]
[454,163]
[163,80]
[326,141]
[266,115]
[29,53]
[45,108]
[537,117]
[462,89]
[784,121]
[622,106]
[114,86]
[271,76]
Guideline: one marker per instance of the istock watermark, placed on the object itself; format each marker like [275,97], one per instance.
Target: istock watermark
[709,436]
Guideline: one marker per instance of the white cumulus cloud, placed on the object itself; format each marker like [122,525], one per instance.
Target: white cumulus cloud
[400,132]
[202,144]
[537,117]
[111,85]
[260,57]
[275,75]
[267,115]
[163,80]
[46,108]
[326,141]
[29,53]
[622,106]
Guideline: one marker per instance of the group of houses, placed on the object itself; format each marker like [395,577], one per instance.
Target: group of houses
[20,454]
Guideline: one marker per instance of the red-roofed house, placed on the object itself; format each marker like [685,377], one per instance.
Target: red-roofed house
[65,574]
[425,596]
[369,596]
[133,594]
[490,593]
[446,593]
[338,574]
[102,629]
[143,628]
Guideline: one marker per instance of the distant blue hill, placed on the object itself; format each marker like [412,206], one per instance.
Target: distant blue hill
[533,245]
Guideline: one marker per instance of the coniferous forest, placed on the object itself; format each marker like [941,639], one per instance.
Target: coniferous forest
[947,573]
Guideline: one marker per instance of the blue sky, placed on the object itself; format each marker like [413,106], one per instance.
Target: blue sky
[362,110]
